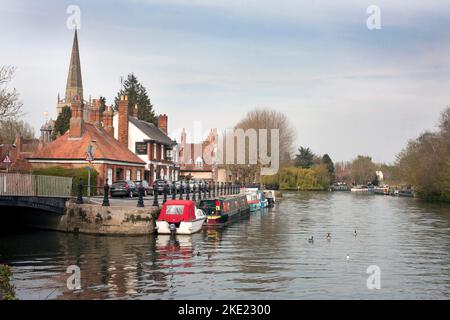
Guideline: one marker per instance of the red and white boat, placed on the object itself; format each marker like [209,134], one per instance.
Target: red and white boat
[180,217]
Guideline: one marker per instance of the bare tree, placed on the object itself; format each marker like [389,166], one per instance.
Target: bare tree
[265,119]
[9,129]
[10,105]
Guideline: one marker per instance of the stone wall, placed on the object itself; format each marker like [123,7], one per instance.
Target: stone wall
[95,219]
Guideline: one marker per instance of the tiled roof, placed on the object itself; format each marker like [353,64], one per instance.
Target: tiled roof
[105,147]
[152,131]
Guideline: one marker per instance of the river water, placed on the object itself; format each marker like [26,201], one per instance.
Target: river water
[264,256]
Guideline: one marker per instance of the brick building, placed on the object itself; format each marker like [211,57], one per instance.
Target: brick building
[149,142]
[18,153]
[198,160]
[89,128]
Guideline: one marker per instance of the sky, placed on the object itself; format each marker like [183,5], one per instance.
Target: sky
[346,89]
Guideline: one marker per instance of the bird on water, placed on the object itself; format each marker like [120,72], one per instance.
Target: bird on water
[328,236]
[311,240]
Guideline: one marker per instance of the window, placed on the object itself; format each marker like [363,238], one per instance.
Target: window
[175,209]
[162,152]
[119,174]
[154,150]
[128,175]
[199,162]
[110,176]
[138,175]
[169,154]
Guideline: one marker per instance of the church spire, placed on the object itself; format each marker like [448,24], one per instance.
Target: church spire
[74,87]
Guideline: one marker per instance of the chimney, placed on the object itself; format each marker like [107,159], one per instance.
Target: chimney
[94,113]
[135,111]
[76,121]
[162,123]
[123,120]
[108,121]
[19,143]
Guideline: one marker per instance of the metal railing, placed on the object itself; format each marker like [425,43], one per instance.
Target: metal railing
[18,184]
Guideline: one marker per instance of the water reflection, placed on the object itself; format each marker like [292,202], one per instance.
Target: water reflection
[265,255]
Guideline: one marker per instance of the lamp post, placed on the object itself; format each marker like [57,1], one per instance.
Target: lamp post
[106,194]
[89,159]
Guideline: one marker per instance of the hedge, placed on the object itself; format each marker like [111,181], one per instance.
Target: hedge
[74,173]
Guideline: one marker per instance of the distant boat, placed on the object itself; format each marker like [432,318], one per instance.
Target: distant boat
[360,189]
[405,193]
[384,190]
[339,186]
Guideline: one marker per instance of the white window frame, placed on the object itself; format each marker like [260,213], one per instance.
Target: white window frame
[127,174]
[199,162]
[138,175]
[110,176]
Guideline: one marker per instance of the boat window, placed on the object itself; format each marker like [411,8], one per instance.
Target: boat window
[175,209]
[208,204]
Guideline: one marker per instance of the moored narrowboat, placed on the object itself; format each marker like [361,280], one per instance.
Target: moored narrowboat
[270,196]
[255,199]
[222,210]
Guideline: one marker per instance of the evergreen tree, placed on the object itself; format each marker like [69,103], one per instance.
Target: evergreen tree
[326,160]
[102,104]
[62,123]
[137,95]
[305,158]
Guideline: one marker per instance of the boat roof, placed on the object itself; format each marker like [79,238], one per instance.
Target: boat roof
[180,202]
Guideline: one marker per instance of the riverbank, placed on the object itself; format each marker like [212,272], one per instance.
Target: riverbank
[6,289]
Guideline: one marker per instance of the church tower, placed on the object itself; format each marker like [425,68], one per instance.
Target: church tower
[74,86]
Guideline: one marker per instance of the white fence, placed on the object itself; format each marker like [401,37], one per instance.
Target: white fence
[17,184]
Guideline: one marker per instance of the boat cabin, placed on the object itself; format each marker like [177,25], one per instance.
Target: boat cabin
[224,205]
[175,211]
